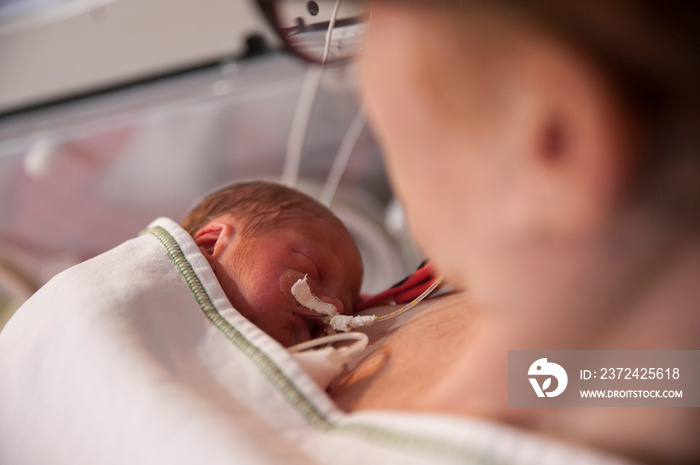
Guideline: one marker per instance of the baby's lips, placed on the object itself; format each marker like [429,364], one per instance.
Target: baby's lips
[307,312]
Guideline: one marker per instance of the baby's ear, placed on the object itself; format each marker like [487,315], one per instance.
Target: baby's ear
[214,237]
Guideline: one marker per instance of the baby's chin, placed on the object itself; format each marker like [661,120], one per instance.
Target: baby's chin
[299,330]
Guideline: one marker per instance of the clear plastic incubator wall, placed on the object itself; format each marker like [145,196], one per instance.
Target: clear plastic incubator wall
[113,113]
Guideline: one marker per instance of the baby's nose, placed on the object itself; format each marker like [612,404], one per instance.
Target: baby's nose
[313,295]
[336,302]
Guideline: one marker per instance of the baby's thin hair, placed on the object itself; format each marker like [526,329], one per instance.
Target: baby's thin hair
[258,206]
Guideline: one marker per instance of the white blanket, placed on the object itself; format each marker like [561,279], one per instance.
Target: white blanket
[137,357]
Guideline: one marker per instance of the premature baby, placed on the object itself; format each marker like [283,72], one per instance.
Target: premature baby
[261,239]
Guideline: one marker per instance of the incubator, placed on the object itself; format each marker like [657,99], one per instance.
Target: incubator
[82,172]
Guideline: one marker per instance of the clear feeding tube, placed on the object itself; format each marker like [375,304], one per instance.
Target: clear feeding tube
[348,322]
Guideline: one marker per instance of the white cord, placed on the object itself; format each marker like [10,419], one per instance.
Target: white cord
[329,32]
[302,113]
[361,338]
[300,123]
[343,156]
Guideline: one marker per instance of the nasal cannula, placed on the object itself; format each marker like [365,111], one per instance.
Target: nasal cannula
[303,294]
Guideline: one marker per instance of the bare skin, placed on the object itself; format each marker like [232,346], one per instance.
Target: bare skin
[398,353]
[257,273]
[545,237]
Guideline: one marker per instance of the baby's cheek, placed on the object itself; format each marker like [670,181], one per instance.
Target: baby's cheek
[287,280]
[261,292]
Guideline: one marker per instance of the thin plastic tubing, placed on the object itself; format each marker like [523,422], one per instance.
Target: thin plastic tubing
[361,338]
[302,113]
[413,303]
[300,123]
[343,156]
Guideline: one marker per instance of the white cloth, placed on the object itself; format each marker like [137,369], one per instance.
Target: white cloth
[137,357]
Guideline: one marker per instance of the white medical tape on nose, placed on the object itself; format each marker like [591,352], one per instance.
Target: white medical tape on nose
[302,293]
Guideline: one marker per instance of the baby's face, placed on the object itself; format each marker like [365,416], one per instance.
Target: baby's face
[264,268]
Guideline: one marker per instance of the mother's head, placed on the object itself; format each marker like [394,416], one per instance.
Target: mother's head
[536,144]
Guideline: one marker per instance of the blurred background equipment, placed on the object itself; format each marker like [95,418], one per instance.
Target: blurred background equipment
[115,112]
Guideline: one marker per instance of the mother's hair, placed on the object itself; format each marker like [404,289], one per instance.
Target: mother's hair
[648,51]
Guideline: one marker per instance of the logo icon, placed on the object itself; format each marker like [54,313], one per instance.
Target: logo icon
[542,367]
